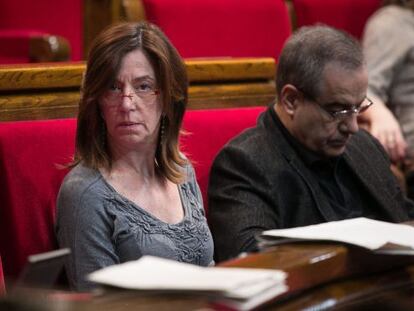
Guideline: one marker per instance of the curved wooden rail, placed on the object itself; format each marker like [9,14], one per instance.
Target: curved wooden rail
[49,91]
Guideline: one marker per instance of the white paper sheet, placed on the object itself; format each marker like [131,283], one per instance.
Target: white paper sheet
[153,273]
[364,232]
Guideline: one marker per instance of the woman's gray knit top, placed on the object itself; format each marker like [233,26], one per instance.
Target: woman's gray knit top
[102,228]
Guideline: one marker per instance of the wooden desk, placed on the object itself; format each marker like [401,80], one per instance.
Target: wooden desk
[320,274]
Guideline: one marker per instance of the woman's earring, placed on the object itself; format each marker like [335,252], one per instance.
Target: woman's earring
[162,130]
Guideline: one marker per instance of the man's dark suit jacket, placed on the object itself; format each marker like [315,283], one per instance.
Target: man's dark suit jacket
[259,182]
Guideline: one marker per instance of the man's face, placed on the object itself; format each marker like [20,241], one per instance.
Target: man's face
[313,121]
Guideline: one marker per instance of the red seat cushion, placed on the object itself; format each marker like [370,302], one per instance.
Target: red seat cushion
[348,15]
[211,28]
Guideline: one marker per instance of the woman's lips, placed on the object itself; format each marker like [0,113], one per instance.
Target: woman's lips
[127,124]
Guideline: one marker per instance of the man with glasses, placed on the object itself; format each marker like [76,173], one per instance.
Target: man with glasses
[306,161]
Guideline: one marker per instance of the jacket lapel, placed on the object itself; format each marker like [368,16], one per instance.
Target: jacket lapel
[281,145]
[366,171]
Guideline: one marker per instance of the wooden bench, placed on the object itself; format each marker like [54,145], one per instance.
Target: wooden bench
[51,91]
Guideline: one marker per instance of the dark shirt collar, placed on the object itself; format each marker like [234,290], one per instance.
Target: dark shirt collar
[309,157]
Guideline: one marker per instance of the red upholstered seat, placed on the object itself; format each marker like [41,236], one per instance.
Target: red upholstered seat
[349,15]
[210,28]
[30,179]
[63,18]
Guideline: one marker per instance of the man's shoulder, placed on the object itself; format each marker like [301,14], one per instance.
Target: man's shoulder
[250,140]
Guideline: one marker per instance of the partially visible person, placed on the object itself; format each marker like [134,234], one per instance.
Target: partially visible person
[388,45]
[131,192]
[306,161]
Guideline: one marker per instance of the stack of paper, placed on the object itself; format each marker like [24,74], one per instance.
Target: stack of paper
[239,288]
[382,237]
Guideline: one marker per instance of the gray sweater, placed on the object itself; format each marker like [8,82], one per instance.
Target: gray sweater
[103,228]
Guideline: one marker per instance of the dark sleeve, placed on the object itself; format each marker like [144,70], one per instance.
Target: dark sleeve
[239,203]
[401,197]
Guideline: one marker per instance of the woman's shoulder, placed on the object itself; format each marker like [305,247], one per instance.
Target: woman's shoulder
[80,181]
[81,176]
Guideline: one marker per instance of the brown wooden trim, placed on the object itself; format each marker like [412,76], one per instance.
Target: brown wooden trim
[48,91]
[64,75]
[133,10]
[48,48]
[292,14]
[230,69]
[311,264]
[41,76]
[98,14]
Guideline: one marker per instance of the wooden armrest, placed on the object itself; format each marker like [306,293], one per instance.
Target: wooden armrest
[48,48]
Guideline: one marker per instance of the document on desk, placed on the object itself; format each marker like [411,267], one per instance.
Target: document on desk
[240,288]
[378,236]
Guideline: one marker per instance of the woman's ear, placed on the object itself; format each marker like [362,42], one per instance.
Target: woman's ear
[290,98]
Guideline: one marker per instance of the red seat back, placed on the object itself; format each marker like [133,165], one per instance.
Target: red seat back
[64,18]
[30,180]
[14,46]
[209,131]
[348,15]
[212,28]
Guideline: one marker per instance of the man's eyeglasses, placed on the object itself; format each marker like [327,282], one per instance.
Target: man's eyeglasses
[342,114]
[143,90]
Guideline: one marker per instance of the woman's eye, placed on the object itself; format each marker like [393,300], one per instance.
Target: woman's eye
[114,87]
[143,87]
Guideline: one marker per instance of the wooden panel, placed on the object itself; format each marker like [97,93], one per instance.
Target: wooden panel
[48,91]
[231,95]
[41,76]
[133,10]
[98,14]
[230,69]
[316,281]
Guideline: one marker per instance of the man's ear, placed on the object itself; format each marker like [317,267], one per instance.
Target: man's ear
[290,98]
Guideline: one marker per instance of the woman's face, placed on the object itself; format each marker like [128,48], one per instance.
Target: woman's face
[131,106]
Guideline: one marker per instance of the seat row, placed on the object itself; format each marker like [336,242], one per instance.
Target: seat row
[247,28]
[208,28]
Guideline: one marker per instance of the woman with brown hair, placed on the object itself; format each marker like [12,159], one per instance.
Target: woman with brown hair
[131,192]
